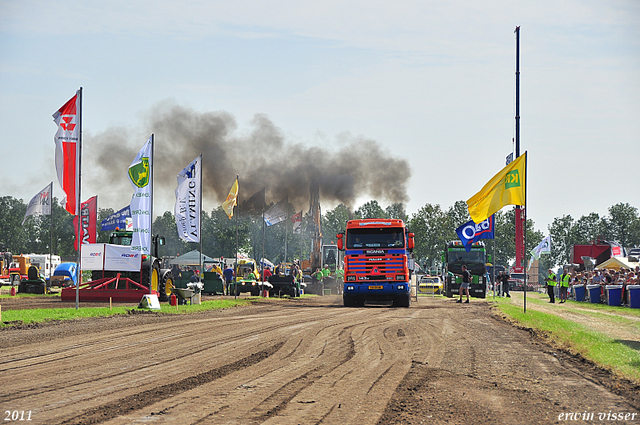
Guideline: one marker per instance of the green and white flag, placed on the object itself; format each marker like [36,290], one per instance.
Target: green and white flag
[140,178]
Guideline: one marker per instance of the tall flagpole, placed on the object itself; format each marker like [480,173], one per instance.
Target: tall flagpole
[50,232]
[263,235]
[286,233]
[525,226]
[237,212]
[78,197]
[151,219]
[200,220]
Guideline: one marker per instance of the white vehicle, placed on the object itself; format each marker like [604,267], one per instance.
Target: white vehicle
[45,267]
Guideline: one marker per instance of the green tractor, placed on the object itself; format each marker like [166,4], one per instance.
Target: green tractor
[160,280]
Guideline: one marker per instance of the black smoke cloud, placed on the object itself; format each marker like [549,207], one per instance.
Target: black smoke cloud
[263,158]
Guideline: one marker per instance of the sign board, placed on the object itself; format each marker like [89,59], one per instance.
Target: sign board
[103,256]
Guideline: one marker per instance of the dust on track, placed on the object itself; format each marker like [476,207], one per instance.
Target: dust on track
[300,361]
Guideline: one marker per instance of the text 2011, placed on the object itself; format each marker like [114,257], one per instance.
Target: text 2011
[17,415]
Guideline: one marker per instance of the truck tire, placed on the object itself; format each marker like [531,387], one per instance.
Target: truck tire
[155,276]
[348,301]
[165,286]
[402,301]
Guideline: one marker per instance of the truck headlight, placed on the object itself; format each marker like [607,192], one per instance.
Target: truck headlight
[400,286]
[350,288]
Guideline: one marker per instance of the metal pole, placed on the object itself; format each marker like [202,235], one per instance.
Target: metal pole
[262,260]
[286,233]
[493,260]
[237,212]
[151,218]
[525,227]
[79,174]
[50,232]
[200,220]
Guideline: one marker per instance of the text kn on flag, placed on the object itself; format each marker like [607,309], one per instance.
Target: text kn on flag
[67,139]
[140,178]
[471,232]
[89,219]
[543,247]
[505,188]
[232,199]
[187,207]
[40,204]
[297,223]
[276,213]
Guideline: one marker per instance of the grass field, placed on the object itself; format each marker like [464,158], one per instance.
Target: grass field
[11,317]
[572,327]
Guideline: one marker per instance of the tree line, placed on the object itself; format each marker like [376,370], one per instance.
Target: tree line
[432,225]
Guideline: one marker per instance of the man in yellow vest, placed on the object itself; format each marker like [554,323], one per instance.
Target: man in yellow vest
[551,285]
[564,286]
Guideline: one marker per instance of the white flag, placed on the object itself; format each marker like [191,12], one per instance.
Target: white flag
[297,223]
[140,178]
[276,214]
[543,247]
[40,204]
[187,208]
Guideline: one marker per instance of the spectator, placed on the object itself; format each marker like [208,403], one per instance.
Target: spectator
[228,277]
[565,280]
[551,285]
[466,283]
[505,284]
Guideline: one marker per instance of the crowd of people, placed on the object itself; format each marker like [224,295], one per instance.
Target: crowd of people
[570,278]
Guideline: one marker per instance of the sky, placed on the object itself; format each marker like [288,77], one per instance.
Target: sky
[418,94]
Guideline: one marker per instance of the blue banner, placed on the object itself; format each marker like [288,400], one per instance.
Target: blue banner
[471,232]
[117,219]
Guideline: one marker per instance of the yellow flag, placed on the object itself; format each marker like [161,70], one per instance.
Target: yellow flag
[232,199]
[505,188]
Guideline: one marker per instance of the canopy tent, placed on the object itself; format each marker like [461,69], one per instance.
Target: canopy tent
[617,263]
[191,259]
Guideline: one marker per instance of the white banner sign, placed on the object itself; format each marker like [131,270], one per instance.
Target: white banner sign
[112,257]
[187,208]
[120,258]
[92,256]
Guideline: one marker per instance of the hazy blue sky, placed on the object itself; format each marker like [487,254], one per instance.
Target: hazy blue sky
[431,82]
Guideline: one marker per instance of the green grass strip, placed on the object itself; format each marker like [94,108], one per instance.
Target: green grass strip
[621,357]
[11,317]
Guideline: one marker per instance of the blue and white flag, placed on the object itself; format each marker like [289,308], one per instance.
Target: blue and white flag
[116,220]
[276,213]
[471,232]
[188,199]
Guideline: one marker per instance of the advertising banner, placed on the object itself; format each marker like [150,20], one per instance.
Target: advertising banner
[92,256]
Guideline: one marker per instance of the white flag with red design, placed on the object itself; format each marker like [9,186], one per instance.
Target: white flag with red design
[67,141]
[297,223]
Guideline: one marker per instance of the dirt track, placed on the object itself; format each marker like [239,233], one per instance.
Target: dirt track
[307,361]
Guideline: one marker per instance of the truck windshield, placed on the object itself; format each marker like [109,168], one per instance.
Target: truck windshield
[121,240]
[375,238]
[474,260]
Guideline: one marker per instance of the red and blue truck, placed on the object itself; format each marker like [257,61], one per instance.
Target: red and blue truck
[377,259]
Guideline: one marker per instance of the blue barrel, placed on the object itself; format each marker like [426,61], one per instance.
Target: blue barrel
[634,296]
[614,294]
[579,291]
[594,293]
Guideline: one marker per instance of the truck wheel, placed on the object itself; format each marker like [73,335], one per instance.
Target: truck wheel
[165,287]
[404,301]
[42,289]
[236,290]
[155,276]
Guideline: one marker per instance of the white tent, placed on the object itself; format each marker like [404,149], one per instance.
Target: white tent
[617,263]
[191,259]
